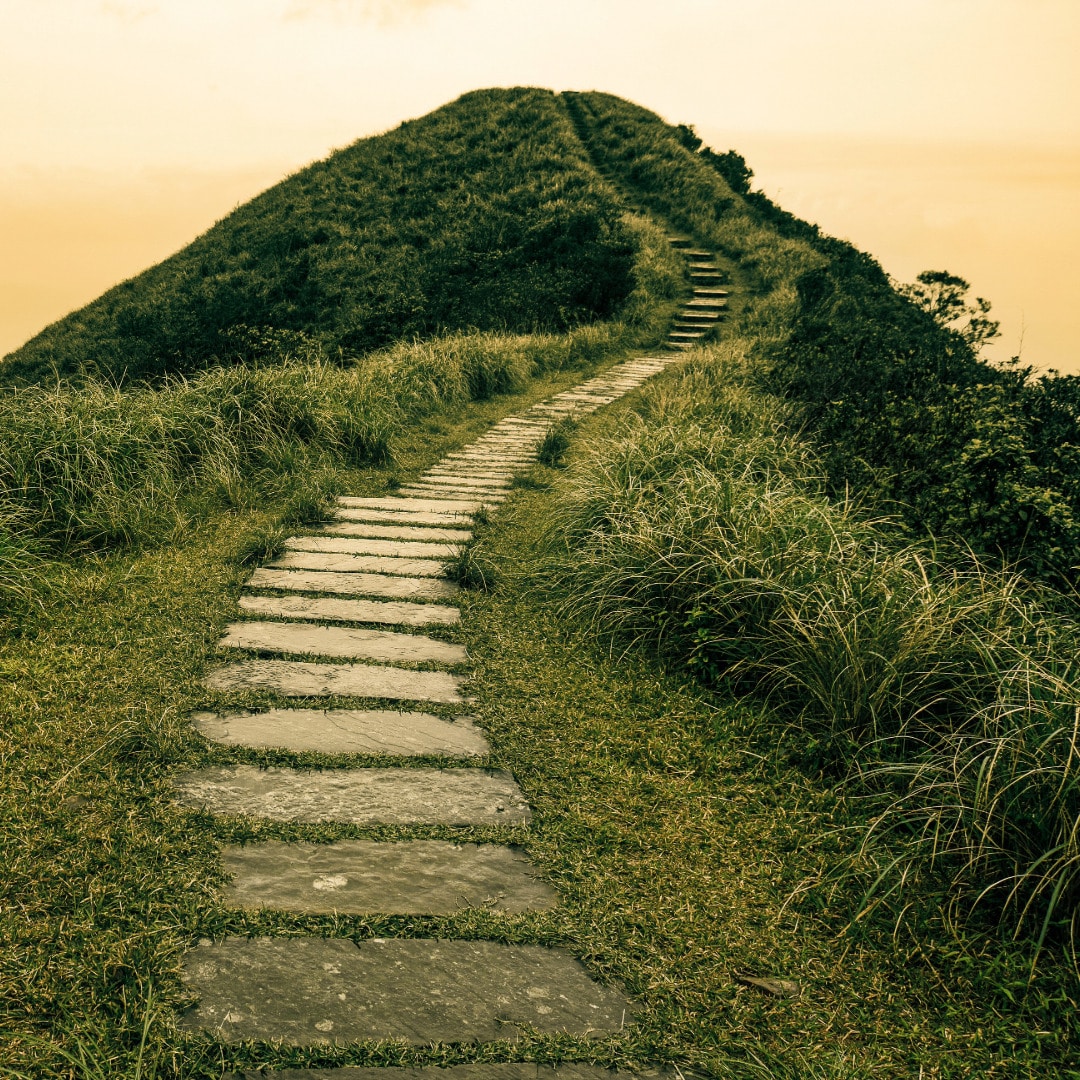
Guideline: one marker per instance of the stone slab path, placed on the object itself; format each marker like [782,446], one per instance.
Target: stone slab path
[364,877]
[309,616]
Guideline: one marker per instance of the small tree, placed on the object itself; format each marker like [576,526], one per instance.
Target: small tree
[944,297]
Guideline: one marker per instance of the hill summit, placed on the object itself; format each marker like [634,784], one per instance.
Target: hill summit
[485,213]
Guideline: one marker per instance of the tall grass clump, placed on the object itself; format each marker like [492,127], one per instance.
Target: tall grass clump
[704,529]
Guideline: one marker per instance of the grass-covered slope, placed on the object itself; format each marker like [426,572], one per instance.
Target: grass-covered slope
[902,409]
[483,214]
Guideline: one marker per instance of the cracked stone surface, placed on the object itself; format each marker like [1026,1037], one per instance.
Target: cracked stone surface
[345,731]
[357,796]
[337,562]
[299,678]
[352,584]
[385,645]
[312,990]
[333,609]
[363,877]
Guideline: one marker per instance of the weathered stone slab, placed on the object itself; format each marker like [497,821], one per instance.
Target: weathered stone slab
[343,641]
[442,506]
[330,609]
[431,491]
[357,796]
[318,581]
[401,549]
[298,678]
[361,877]
[404,517]
[310,990]
[345,731]
[485,1070]
[456,479]
[395,532]
[335,563]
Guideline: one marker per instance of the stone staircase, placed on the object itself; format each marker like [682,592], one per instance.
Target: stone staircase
[316,622]
[701,315]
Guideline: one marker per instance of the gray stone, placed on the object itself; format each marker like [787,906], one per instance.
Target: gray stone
[330,609]
[314,640]
[357,796]
[402,549]
[456,479]
[404,517]
[396,532]
[442,506]
[484,1070]
[362,877]
[345,731]
[318,581]
[334,563]
[325,990]
[297,678]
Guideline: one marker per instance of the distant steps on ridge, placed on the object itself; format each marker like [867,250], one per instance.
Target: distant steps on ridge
[700,315]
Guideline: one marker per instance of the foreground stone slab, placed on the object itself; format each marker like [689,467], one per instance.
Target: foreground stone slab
[334,562]
[361,877]
[361,545]
[351,584]
[345,731]
[357,796]
[478,1071]
[331,609]
[357,644]
[299,678]
[318,990]
[403,517]
[396,532]
[442,506]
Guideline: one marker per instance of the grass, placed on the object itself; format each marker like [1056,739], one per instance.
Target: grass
[481,215]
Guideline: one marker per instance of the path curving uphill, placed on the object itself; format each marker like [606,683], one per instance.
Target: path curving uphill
[313,624]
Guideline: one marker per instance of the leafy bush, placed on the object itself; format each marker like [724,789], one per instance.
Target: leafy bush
[483,214]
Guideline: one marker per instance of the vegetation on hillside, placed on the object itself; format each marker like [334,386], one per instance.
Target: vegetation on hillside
[898,402]
[481,215]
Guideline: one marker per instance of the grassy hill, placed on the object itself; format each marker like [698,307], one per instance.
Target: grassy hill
[483,214]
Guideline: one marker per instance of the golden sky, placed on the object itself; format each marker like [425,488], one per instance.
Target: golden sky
[933,133]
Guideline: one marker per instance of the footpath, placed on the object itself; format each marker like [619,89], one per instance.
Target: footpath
[332,594]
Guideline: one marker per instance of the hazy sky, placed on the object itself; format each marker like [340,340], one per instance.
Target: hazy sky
[933,133]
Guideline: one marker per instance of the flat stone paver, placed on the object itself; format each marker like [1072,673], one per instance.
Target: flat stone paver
[362,877]
[368,545]
[403,517]
[331,609]
[395,532]
[457,479]
[343,641]
[483,1070]
[442,506]
[352,584]
[357,796]
[310,990]
[299,678]
[345,731]
[333,562]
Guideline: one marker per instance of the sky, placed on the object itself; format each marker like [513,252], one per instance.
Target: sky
[935,134]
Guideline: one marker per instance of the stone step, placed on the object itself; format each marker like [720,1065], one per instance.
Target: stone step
[487,1070]
[462,480]
[363,877]
[707,303]
[441,506]
[346,584]
[404,517]
[303,991]
[395,532]
[431,491]
[689,314]
[702,290]
[678,335]
[299,678]
[344,545]
[700,254]
[343,641]
[345,731]
[479,472]
[680,241]
[328,609]
[356,796]
[341,563]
